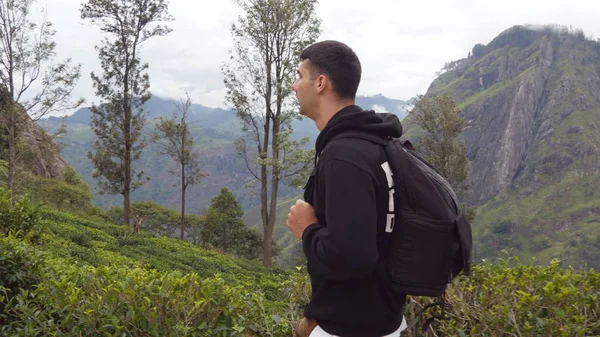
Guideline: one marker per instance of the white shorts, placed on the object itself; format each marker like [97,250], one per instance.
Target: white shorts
[318,332]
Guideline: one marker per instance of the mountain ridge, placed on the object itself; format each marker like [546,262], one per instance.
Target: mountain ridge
[214,130]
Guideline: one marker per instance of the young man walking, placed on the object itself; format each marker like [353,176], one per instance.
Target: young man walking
[342,220]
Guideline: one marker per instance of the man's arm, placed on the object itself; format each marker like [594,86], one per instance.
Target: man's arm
[345,248]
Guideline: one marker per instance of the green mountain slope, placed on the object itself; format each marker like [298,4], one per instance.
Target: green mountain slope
[531,98]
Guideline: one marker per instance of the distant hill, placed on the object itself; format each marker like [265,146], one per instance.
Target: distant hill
[214,129]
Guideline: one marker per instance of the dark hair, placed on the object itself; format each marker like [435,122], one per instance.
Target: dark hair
[338,62]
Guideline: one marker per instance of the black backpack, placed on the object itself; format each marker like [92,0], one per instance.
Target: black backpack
[431,238]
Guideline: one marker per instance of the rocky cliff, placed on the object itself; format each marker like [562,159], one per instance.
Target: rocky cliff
[47,162]
[531,98]
[532,102]
[40,153]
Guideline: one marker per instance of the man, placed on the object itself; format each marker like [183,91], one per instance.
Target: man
[343,219]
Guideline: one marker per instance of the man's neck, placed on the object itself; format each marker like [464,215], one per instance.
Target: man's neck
[329,110]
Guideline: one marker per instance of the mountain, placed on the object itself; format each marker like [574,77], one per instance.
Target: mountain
[214,131]
[531,98]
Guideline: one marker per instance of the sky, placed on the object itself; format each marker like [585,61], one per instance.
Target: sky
[401,44]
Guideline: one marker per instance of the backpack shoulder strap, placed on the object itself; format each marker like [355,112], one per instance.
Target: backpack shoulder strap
[395,152]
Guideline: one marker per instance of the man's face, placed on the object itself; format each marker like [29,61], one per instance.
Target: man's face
[305,89]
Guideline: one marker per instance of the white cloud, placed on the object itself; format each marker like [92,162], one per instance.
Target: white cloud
[379,108]
[401,44]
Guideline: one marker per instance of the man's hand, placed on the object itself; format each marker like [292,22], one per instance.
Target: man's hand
[301,216]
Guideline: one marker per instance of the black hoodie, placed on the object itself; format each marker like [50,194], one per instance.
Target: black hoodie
[349,191]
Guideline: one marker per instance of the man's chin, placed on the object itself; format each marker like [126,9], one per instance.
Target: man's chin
[303,112]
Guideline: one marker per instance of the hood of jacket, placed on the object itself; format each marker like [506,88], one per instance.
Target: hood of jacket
[354,118]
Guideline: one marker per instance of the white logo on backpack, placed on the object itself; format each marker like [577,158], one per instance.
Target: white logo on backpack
[389,227]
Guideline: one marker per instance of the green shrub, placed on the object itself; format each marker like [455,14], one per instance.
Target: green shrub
[20,269]
[21,219]
[499,300]
[117,301]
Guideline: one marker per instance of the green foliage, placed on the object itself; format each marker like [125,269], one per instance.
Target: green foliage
[20,270]
[497,300]
[70,192]
[441,143]
[136,302]
[478,50]
[90,278]
[224,228]
[154,218]
[99,243]
[21,220]
[500,300]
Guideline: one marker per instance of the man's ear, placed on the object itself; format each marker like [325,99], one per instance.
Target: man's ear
[322,82]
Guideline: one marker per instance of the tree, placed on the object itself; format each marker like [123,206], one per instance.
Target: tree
[268,38]
[151,216]
[478,50]
[175,141]
[441,145]
[27,52]
[224,227]
[119,121]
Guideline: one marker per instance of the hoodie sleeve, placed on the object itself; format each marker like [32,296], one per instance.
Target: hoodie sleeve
[346,247]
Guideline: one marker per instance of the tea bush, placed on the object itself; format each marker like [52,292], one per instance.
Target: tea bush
[118,301]
[519,300]
[20,270]
[22,219]
[91,278]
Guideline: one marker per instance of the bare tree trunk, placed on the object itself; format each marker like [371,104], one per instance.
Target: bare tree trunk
[126,207]
[127,133]
[12,126]
[264,196]
[11,162]
[183,187]
[274,187]
[265,215]
[268,238]
[127,182]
